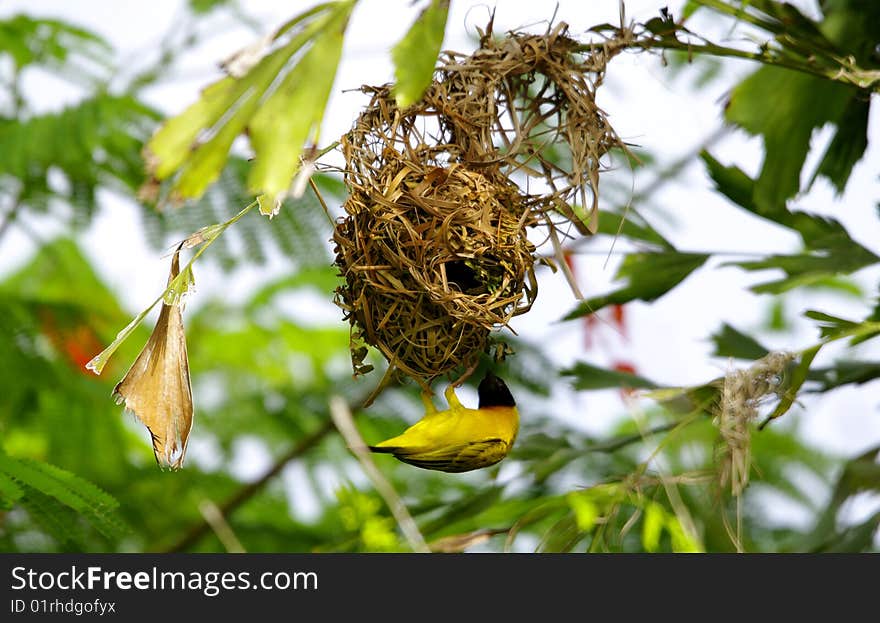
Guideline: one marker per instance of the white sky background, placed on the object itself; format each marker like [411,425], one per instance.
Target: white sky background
[667,340]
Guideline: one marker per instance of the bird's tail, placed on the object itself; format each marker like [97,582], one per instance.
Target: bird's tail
[385,449]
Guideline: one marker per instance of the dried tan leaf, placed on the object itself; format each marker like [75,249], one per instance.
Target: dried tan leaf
[157,386]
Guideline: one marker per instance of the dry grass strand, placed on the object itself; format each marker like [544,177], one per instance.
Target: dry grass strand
[742,393]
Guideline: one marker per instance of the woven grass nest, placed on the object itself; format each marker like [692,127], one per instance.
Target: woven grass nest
[434,247]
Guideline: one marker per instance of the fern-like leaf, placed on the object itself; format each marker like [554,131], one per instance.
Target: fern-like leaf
[58,521]
[93,143]
[67,489]
[10,492]
[53,44]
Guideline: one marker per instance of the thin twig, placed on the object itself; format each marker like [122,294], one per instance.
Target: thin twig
[618,443]
[341,415]
[559,253]
[682,513]
[215,519]
[860,78]
[321,201]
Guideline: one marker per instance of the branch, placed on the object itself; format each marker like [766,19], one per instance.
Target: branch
[194,534]
[618,443]
[341,415]
[851,75]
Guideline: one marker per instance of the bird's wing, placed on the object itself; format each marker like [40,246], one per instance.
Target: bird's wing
[456,458]
[434,430]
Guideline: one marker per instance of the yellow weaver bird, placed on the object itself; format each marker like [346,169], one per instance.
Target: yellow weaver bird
[460,439]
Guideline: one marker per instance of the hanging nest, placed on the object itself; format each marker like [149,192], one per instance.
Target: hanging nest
[433,258]
[434,248]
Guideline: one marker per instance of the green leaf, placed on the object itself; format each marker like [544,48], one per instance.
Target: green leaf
[649,276]
[812,269]
[733,183]
[585,511]
[817,232]
[53,44]
[652,526]
[688,400]
[682,542]
[634,228]
[195,144]
[830,326]
[844,373]
[783,17]
[53,518]
[591,377]
[853,26]
[562,536]
[848,145]
[10,492]
[690,7]
[829,251]
[292,114]
[834,328]
[777,320]
[221,104]
[785,107]
[839,285]
[732,343]
[414,56]
[859,474]
[205,6]
[68,489]
[64,144]
[854,539]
